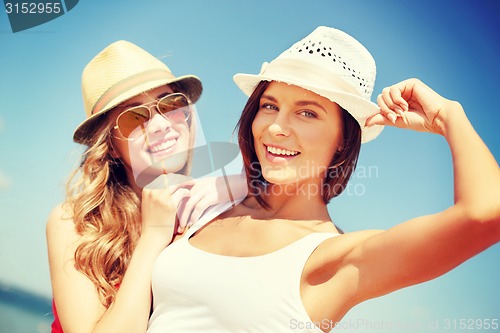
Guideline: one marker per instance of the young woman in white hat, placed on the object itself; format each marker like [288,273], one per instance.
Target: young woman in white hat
[276,262]
[103,240]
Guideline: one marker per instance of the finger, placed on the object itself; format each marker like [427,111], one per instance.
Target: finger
[379,119]
[400,104]
[192,203]
[181,226]
[180,197]
[386,96]
[175,179]
[197,212]
[389,94]
[385,109]
[186,185]
[152,197]
[392,97]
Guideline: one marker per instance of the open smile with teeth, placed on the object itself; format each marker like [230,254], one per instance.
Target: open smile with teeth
[280,151]
[162,146]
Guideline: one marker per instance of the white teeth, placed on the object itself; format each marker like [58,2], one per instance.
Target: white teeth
[279,151]
[163,146]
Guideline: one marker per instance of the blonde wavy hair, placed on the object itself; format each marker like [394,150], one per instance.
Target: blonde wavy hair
[106,211]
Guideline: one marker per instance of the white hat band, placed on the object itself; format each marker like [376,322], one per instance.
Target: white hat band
[307,74]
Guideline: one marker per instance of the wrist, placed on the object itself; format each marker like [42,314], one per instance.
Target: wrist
[153,239]
[451,115]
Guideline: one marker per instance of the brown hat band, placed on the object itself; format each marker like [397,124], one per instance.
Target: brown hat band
[128,83]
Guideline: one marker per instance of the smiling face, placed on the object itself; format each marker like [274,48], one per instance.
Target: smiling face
[296,133]
[161,145]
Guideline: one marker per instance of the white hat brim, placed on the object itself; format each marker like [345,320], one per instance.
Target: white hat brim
[360,108]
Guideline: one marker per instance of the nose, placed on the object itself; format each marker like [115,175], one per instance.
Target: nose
[280,126]
[158,123]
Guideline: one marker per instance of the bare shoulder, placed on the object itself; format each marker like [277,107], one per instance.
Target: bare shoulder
[60,227]
[335,250]
[345,243]
[62,241]
[60,216]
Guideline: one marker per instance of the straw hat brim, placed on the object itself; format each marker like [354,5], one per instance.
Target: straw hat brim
[360,108]
[189,84]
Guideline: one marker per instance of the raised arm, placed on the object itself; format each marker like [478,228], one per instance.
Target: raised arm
[426,247]
[76,298]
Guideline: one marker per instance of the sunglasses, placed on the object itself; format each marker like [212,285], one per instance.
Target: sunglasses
[173,107]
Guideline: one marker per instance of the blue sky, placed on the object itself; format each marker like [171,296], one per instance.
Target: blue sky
[452,46]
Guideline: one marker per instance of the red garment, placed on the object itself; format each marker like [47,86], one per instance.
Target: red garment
[56,325]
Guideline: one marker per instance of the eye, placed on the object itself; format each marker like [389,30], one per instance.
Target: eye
[308,114]
[268,107]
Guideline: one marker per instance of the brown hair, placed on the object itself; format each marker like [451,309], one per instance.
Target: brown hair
[342,165]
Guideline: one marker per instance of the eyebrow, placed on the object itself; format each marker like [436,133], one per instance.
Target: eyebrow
[299,103]
[269,97]
[305,103]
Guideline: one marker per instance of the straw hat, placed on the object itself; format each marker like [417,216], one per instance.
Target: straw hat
[122,71]
[331,64]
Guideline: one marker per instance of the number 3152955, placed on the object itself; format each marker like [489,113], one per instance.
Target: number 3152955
[33,8]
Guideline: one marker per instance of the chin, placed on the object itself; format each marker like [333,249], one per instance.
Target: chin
[175,163]
[284,176]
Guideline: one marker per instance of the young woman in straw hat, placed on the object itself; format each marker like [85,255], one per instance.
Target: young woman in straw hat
[103,240]
[282,265]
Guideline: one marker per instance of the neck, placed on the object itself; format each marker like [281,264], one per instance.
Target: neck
[297,201]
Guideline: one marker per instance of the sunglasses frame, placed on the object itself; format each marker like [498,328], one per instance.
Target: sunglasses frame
[156,104]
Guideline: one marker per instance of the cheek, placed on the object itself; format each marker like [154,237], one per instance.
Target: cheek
[185,135]
[322,142]
[258,126]
[132,153]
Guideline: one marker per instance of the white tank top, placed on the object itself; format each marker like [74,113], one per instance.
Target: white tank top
[197,291]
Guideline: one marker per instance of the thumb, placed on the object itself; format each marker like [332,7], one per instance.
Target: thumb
[378,119]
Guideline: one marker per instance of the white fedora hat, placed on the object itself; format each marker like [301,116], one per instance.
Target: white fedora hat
[122,71]
[330,63]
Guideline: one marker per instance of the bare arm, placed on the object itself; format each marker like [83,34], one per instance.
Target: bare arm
[426,247]
[76,299]
[209,191]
